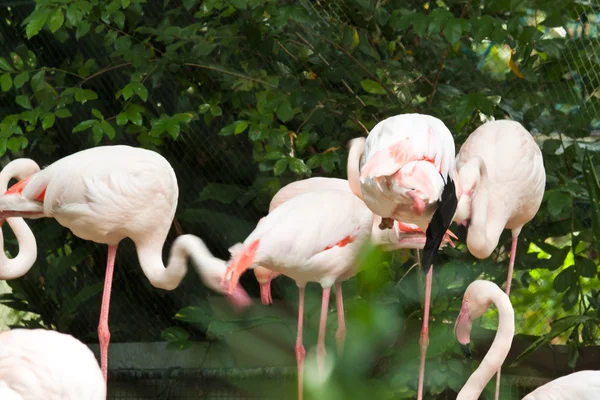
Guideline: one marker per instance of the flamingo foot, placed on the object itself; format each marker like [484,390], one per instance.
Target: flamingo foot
[103,332]
[322,326]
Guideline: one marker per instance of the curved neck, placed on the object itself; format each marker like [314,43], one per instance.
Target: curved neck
[357,147]
[18,266]
[497,353]
[11,268]
[184,247]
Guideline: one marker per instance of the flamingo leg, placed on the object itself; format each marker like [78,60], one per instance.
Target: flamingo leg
[511,265]
[103,332]
[424,341]
[340,335]
[322,326]
[300,352]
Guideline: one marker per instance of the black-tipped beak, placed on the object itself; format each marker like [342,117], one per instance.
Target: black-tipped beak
[466,349]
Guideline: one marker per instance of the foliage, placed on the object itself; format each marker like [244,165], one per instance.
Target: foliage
[208,82]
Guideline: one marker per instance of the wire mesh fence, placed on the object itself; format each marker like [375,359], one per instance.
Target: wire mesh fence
[220,196]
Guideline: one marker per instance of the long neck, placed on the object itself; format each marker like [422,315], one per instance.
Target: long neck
[184,247]
[357,147]
[498,351]
[18,266]
[477,240]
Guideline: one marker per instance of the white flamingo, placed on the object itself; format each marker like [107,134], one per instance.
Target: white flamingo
[407,174]
[39,364]
[582,385]
[312,237]
[501,170]
[104,194]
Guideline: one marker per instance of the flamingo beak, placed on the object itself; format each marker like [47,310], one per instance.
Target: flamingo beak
[462,329]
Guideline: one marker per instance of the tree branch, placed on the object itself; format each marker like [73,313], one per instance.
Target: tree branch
[103,71]
[215,69]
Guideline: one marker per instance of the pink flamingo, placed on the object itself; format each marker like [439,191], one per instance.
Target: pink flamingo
[582,385]
[501,170]
[313,237]
[41,364]
[103,195]
[400,236]
[408,175]
[476,300]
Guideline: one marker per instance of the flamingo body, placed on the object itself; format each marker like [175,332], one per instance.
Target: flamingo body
[501,163]
[407,161]
[582,385]
[39,364]
[103,194]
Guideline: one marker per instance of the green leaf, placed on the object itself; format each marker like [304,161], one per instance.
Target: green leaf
[82,29]
[17,61]
[56,20]
[174,333]
[84,125]
[97,133]
[284,111]
[134,115]
[63,113]
[298,167]
[23,101]
[452,30]
[5,66]
[37,80]
[37,20]
[83,95]
[241,127]
[280,166]
[195,314]
[21,79]
[74,14]
[586,267]
[372,87]
[419,23]
[558,201]
[14,144]
[6,82]
[216,111]
[97,114]
[125,3]
[108,129]
[172,127]
[122,118]
[48,121]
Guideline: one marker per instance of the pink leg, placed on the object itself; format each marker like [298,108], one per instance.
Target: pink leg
[511,265]
[424,341]
[340,335]
[322,326]
[300,352]
[103,332]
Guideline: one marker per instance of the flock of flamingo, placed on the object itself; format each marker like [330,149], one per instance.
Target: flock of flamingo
[405,186]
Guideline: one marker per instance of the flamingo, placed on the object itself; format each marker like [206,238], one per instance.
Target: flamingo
[40,364]
[582,385]
[408,174]
[476,300]
[501,170]
[104,194]
[312,237]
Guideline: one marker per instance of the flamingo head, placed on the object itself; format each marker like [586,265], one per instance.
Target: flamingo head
[475,303]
